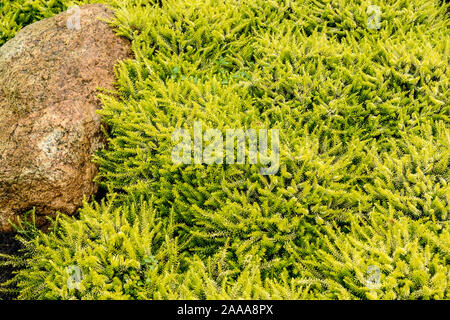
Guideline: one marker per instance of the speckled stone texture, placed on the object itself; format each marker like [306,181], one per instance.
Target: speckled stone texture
[49,79]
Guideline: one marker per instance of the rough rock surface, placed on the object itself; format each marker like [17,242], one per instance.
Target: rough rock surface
[49,79]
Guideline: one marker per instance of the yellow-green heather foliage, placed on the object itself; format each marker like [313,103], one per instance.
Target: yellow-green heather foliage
[413,258]
[363,184]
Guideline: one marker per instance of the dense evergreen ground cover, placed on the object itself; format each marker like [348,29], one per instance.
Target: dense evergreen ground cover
[360,206]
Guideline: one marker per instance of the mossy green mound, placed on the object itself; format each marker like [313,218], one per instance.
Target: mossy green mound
[360,205]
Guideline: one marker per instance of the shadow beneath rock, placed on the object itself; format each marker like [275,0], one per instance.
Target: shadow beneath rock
[8,245]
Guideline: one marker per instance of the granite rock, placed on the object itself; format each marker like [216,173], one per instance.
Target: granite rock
[49,129]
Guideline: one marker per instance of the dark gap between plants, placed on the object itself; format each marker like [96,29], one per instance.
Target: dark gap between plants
[8,245]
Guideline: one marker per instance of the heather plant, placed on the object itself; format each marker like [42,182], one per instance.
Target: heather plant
[411,257]
[359,207]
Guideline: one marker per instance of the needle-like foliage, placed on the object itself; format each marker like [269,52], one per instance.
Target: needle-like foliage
[359,208]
